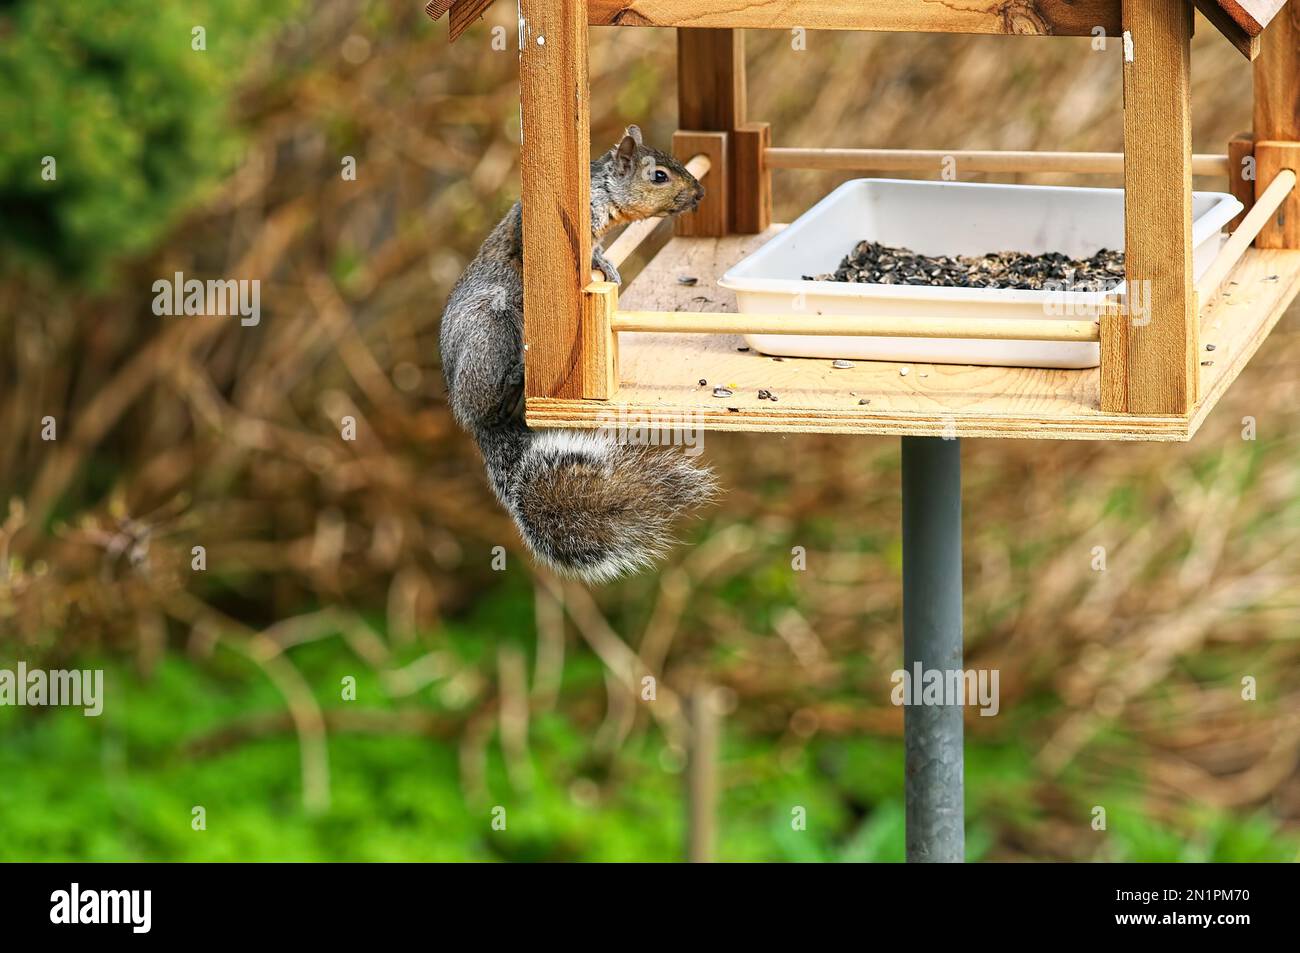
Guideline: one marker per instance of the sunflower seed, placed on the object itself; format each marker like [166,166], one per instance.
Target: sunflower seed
[874,263]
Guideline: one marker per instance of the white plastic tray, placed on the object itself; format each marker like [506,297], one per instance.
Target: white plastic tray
[945,218]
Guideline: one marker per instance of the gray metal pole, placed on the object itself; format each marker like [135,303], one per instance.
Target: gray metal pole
[932,637]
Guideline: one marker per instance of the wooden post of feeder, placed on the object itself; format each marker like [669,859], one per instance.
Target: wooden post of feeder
[555,156]
[1149,350]
[1241,173]
[713,218]
[711,97]
[1277,122]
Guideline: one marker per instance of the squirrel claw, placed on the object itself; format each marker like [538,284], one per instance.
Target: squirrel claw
[606,268]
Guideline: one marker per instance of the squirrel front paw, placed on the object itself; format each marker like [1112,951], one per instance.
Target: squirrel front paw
[605,267]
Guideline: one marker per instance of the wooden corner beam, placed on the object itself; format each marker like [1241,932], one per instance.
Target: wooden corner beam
[1149,349]
[1272,160]
[556,178]
[600,341]
[711,97]
[1241,174]
[1277,120]
[713,218]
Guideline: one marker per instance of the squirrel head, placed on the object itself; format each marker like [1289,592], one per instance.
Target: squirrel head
[643,182]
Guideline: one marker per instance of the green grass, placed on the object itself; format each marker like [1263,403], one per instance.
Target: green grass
[122,786]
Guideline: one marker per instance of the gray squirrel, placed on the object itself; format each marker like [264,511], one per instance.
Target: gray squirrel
[584,504]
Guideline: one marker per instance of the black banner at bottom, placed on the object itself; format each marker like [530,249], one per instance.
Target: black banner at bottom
[231,902]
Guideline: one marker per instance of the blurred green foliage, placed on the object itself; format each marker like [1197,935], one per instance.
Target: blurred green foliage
[114,122]
[123,785]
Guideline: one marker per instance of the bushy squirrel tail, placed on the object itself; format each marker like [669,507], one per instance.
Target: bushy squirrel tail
[589,506]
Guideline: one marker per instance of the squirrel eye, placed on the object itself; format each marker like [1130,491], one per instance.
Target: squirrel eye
[661,176]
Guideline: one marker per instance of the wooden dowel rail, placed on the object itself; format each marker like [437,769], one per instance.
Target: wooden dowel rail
[1268,203]
[855,325]
[932,160]
[631,237]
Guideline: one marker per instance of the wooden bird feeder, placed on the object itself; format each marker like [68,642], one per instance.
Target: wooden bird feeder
[595,350]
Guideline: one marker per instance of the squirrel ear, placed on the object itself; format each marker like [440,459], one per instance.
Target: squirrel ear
[624,153]
[634,132]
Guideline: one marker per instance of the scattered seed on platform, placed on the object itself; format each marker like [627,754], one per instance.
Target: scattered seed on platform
[778,359]
[1207,363]
[688,280]
[841,364]
[721,392]
[1211,347]
[764,394]
[864,401]
[902,371]
[742,349]
[703,382]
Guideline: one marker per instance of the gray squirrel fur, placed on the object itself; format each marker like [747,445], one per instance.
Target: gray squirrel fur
[585,504]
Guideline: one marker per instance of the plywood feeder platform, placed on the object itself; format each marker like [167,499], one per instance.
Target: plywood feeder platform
[595,350]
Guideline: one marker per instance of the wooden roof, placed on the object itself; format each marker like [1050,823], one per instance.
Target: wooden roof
[1241,21]
[1251,15]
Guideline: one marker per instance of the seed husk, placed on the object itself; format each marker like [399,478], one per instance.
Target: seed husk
[721,392]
